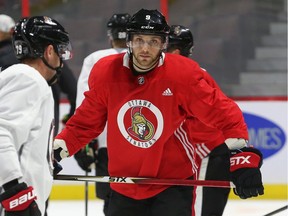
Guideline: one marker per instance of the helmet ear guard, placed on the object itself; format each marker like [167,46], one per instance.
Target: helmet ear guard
[165,43]
[21,45]
[21,49]
[117,34]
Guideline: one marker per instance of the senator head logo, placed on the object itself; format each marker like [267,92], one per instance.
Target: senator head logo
[141,128]
[140,122]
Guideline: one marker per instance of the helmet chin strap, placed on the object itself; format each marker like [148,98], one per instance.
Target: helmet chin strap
[57,69]
[53,80]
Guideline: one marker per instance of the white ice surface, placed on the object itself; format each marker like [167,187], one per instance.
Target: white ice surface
[233,208]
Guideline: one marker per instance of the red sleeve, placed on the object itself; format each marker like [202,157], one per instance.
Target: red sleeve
[211,106]
[89,119]
[210,80]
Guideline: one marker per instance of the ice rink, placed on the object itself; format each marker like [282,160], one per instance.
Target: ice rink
[233,208]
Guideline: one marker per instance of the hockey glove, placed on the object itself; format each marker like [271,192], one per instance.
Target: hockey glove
[19,200]
[60,149]
[245,172]
[57,167]
[86,157]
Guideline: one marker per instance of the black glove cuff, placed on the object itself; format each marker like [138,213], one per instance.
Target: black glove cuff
[84,160]
[10,184]
[56,154]
[13,191]
[57,167]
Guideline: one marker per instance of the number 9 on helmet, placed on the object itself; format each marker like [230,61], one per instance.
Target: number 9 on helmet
[148,22]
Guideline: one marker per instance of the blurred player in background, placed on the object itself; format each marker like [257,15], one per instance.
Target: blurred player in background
[7,55]
[116,32]
[67,85]
[212,154]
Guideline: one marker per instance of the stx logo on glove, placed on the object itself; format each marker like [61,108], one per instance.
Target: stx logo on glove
[239,160]
[244,160]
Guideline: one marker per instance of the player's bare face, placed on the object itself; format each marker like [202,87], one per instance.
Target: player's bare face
[55,60]
[146,49]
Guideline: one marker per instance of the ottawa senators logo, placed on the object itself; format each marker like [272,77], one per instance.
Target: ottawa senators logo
[141,128]
[140,122]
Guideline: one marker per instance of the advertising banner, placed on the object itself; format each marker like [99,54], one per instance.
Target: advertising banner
[267,125]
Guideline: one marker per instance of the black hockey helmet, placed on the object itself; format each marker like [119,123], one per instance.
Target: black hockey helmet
[117,26]
[181,38]
[32,35]
[148,22]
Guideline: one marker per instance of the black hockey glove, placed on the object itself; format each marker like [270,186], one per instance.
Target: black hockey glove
[19,200]
[245,172]
[57,167]
[85,157]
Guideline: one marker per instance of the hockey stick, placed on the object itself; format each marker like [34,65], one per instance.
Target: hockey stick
[88,152]
[86,186]
[277,211]
[86,196]
[151,181]
[1,209]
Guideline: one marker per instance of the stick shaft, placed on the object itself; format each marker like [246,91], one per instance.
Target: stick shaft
[150,181]
[277,211]
[86,196]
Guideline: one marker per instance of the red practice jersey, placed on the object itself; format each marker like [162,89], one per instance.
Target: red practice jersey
[205,138]
[146,116]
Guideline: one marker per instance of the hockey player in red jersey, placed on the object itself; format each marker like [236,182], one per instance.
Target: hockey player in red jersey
[212,154]
[145,96]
